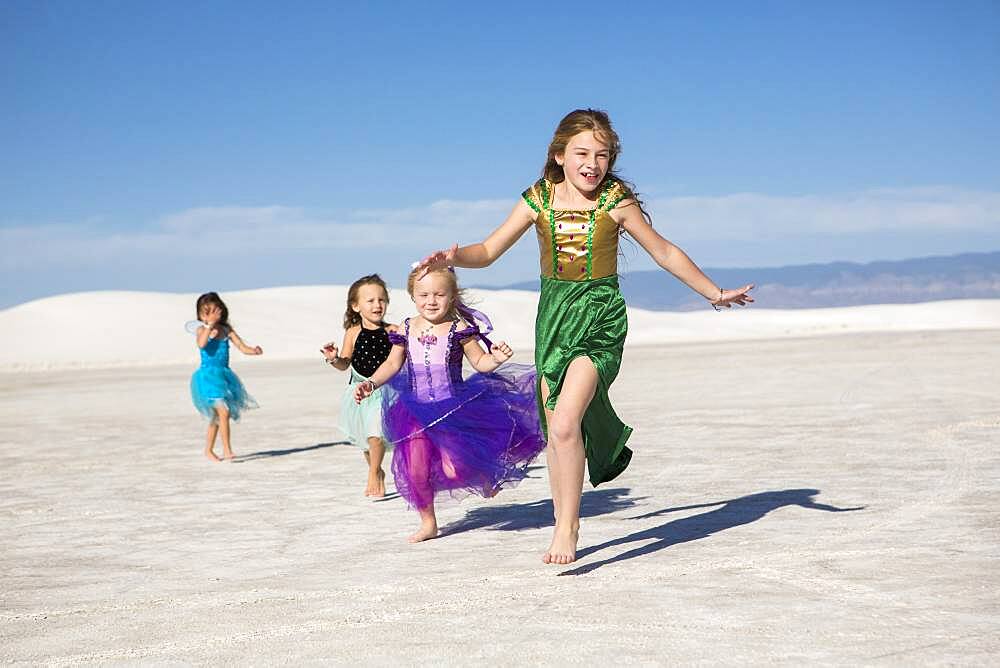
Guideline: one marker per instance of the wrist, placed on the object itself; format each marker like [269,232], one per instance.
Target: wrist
[714,301]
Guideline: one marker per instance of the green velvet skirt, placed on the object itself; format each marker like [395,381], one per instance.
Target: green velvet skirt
[585,319]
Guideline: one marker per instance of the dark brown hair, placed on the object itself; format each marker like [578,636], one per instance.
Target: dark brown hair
[597,121]
[212,299]
[352,317]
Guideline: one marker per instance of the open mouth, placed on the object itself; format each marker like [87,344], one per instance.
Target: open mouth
[590,177]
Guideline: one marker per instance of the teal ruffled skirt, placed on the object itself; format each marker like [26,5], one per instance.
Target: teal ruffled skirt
[359,422]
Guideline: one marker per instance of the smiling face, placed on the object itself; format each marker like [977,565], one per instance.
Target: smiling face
[585,161]
[371,304]
[434,296]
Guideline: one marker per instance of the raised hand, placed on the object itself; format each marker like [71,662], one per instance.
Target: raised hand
[330,351]
[501,352]
[740,296]
[441,259]
[212,315]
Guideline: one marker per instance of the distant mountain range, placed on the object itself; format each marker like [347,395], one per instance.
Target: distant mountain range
[966,276]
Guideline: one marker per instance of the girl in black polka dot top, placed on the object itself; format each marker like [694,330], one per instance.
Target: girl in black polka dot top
[366,346]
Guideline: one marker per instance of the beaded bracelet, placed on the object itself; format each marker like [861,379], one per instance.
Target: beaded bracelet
[714,305]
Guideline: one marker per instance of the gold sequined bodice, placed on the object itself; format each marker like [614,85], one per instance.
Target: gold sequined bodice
[576,245]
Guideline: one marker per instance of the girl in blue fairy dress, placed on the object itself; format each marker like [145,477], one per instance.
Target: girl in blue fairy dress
[216,391]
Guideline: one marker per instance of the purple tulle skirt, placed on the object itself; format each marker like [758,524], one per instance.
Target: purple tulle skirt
[477,441]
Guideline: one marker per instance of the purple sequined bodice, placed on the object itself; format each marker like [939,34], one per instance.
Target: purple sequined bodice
[435,362]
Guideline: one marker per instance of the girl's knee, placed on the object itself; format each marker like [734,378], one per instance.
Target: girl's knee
[222,412]
[563,431]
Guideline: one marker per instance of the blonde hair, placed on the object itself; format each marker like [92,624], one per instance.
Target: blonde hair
[457,293]
[598,122]
[352,317]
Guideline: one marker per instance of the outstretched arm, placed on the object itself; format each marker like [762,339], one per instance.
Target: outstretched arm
[673,259]
[244,348]
[830,509]
[484,253]
[389,368]
[341,359]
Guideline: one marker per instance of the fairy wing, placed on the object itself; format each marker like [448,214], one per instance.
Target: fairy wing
[192,326]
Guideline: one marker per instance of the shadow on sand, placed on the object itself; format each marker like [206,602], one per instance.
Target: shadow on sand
[732,513]
[538,514]
[239,459]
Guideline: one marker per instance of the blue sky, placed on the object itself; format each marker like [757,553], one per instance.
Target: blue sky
[227,145]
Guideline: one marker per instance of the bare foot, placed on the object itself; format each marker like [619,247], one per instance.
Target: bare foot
[228,455]
[211,455]
[448,467]
[427,530]
[376,484]
[563,547]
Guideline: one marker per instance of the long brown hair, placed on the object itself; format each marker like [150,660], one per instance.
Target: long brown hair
[582,120]
[352,317]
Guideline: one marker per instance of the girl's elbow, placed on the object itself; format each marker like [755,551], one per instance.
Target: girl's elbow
[487,256]
[665,255]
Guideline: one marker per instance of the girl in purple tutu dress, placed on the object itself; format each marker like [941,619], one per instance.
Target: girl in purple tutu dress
[452,435]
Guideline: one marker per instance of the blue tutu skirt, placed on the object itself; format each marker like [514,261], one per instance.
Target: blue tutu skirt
[477,441]
[213,386]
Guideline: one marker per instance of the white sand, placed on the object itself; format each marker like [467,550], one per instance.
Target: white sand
[120,544]
[103,329]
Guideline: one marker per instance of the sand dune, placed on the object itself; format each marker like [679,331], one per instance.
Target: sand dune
[107,329]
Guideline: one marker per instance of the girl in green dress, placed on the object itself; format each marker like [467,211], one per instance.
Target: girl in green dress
[579,208]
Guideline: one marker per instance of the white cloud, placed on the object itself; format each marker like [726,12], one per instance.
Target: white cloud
[747,216]
[222,230]
[232,230]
